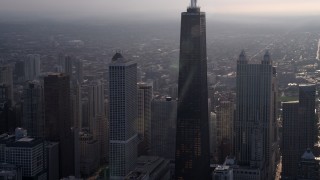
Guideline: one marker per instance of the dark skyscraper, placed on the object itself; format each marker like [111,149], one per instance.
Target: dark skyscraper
[58,121]
[290,139]
[192,143]
[299,129]
[33,113]
[307,97]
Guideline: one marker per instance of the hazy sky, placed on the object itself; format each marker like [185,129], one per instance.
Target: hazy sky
[154,8]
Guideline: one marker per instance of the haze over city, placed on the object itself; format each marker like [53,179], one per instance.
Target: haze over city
[153,9]
[159,89]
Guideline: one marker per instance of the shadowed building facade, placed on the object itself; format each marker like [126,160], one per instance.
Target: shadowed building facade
[58,121]
[255,117]
[299,129]
[192,137]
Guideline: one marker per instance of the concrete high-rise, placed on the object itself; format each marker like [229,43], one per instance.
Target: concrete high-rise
[79,70]
[96,101]
[143,125]
[32,67]
[122,116]
[6,78]
[192,159]
[76,104]
[213,137]
[7,121]
[224,129]
[101,134]
[33,109]
[254,125]
[89,154]
[58,121]
[97,116]
[68,66]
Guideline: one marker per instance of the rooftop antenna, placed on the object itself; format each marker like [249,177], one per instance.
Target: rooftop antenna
[193,3]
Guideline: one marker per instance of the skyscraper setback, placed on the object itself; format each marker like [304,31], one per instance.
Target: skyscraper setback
[192,138]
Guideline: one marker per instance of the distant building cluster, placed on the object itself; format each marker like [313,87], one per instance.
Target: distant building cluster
[256,122]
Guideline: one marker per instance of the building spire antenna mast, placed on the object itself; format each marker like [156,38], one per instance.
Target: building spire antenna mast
[193,3]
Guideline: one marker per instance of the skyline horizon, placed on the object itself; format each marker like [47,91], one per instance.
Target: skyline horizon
[120,11]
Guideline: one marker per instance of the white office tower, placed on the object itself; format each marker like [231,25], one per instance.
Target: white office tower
[143,125]
[6,78]
[123,112]
[33,109]
[32,67]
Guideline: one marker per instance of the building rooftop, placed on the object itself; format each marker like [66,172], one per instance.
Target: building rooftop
[146,166]
[11,141]
[306,85]
[117,56]
[290,102]
[119,60]
[308,155]
[25,139]
[222,168]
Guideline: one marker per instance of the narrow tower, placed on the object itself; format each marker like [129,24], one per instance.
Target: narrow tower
[123,112]
[192,143]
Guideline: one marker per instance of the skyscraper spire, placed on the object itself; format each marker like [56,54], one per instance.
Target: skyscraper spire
[193,3]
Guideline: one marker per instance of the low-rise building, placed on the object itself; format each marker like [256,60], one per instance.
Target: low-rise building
[10,172]
[223,173]
[25,152]
[150,168]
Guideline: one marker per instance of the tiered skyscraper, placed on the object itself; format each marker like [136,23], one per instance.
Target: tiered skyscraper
[123,112]
[192,138]
[255,115]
